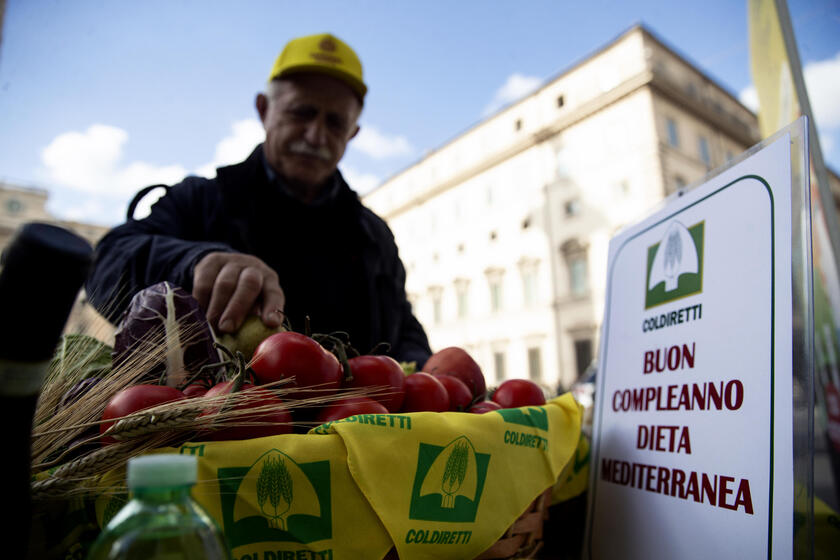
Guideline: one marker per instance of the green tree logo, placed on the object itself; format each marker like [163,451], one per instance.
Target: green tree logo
[675,264]
[274,491]
[448,482]
[454,473]
[276,499]
[533,418]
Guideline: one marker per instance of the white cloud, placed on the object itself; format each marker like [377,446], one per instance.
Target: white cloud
[822,79]
[823,82]
[516,86]
[749,97]
[91,162]
[359,181]
[245,135]
[92,180]
[826,144]
[378,145]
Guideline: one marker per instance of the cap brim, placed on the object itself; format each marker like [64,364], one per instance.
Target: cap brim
[358,87]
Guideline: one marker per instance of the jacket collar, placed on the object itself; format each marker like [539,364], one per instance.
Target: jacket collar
[256,171]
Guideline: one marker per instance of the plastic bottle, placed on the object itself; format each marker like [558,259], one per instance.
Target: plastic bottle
[161,521]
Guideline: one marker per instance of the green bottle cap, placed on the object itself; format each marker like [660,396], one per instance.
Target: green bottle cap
[162,470]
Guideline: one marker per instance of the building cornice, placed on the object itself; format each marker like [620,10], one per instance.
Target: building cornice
[546,133]
[723,120]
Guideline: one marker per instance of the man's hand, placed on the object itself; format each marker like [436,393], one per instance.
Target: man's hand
[231,286]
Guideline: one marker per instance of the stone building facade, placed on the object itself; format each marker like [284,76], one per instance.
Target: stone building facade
[504,230]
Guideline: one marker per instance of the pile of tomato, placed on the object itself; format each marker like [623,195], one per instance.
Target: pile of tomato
[449,381]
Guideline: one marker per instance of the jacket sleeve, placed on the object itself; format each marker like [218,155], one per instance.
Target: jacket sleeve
[163,246]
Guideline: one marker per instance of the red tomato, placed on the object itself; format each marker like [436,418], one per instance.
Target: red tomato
[290,354]
[459,394]
[484,406]
[456,362]
[136,398]
[514,393]
[350,406]
[424,392]
[379,371]
[273,421]
[195,390]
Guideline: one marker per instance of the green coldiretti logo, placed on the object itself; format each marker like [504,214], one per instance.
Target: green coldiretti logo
[535,417]
[197,450]
[276,499]
[448,482]
[675,264]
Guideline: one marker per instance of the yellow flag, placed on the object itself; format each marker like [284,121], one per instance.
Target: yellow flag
[770,67]
[431,485]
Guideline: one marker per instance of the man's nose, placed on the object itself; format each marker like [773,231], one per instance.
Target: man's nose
[316,132]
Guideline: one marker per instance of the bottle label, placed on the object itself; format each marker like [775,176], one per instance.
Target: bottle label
[21,379]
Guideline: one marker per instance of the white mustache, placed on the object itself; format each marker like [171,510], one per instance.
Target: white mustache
[302,147]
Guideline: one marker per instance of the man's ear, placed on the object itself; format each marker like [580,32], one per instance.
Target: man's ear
[353,135]
[262,106]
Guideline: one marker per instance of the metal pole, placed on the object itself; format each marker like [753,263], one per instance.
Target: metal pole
[826,199]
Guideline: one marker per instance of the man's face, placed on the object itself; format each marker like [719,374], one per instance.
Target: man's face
[308,120]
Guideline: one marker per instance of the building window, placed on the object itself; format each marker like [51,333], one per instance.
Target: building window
[578,282]
[496,295]
[14,206]
[518,124]
[534,364]
[574,253]
[462,297]
[493,235]
[499,366]
[529,287]
[729,155]
[460,247]
[561,160]
[526,223]
[705,156]
[494,283]
[436,294]
[673,135]
[560,101]
[679,182]
[583,355]
[572,208]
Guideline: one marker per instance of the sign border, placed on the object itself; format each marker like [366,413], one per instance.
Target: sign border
[596,449]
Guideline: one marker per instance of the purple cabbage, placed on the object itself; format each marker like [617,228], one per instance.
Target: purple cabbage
[165,332]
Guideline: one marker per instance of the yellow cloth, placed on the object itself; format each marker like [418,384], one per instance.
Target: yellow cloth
[433,485]
[574,480]
[448,485]
[288,493]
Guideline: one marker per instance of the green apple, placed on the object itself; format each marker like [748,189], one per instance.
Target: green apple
[248,337]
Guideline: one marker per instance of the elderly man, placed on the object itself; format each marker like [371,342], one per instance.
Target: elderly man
[281,232]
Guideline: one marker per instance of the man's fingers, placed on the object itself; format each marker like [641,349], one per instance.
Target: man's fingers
[204,277]
[229,286]
[247,290]
[223,288]
[274,301]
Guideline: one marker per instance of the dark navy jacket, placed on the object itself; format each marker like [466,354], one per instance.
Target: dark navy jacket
[336,260]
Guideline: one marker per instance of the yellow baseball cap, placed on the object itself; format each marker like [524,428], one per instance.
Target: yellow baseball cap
[323,53]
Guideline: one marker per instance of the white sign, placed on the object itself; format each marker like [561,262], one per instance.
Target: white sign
[692,443]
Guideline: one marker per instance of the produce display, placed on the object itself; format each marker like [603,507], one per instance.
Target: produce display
[168,381]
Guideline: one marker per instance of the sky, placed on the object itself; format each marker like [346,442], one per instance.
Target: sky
[99,98]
